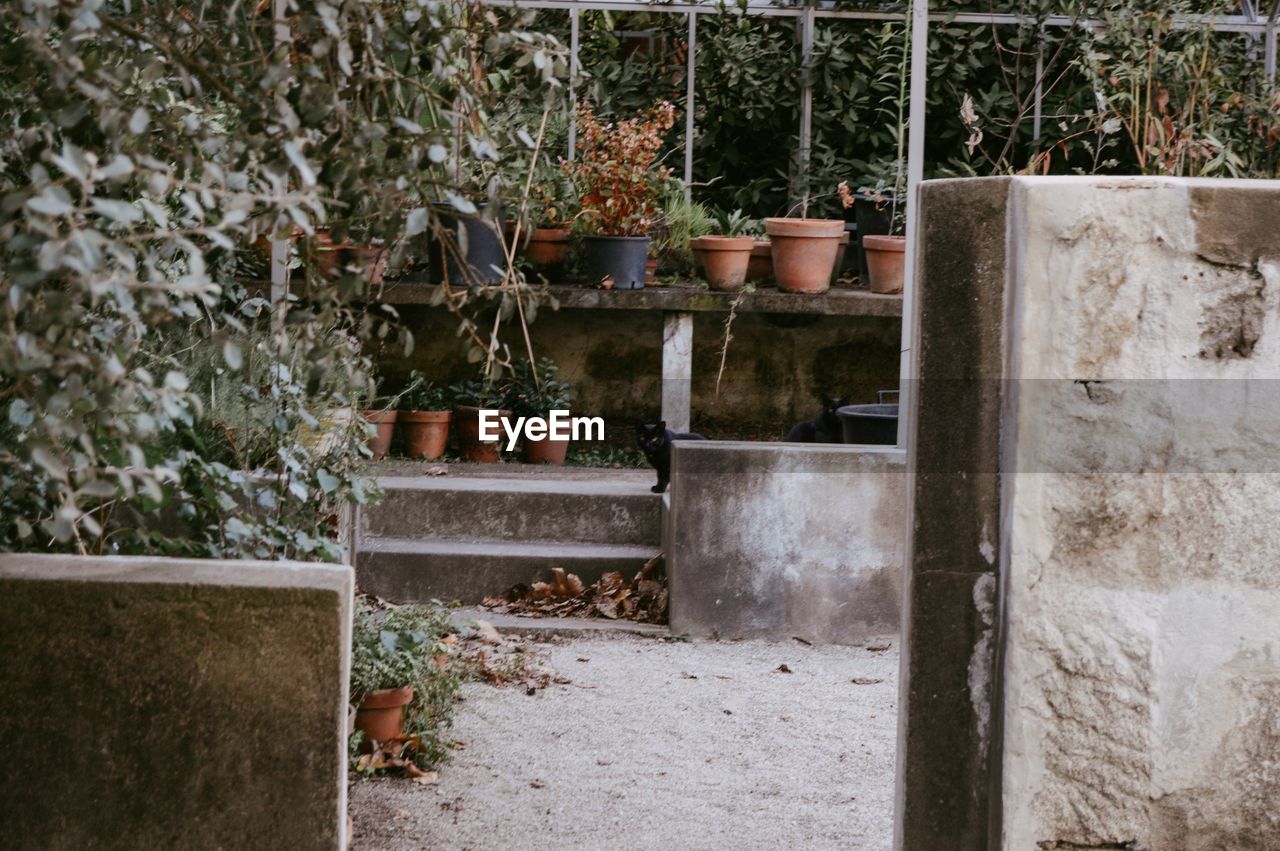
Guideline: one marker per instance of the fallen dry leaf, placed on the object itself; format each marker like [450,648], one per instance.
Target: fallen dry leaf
[486,632]
[782,669]
[685,675]
[428,778]
[864,681]
[806,642]
[537,784]
[878,648]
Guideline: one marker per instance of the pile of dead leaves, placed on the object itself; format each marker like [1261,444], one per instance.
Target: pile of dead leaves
[643,599]
[396,755]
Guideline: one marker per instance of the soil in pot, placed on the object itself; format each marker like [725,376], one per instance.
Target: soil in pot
[760,267]
[425,433]
[546,451]
[547,249]
[385,421]
[381,713]
[477,241]
[467,424]
[726,259]
[874,217]
[620,259]
[886,257]
[804,252]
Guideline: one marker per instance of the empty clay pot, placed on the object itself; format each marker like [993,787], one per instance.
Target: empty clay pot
[725,259]
[425,433]
[760,267]
[381,713]
[467,420]
[804,252]
[380,443]
[547,248]
[546,451]
[886,257]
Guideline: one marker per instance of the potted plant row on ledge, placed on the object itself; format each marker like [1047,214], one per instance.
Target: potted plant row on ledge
[424,411]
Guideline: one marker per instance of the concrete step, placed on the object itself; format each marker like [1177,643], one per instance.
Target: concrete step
[518,625]
[417,570]
[603,511]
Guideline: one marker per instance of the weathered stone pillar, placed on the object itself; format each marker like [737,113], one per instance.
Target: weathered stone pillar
[173,703]
[1094,606]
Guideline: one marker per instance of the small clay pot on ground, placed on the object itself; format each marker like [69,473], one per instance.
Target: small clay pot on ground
[380,443]
[545,451]
[381,713]
[886,257]
[466,420]
[547,249]
[726,259]
[425,433]
[760,267]
[804,252]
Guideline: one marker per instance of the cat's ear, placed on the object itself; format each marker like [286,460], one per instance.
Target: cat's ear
[662,425]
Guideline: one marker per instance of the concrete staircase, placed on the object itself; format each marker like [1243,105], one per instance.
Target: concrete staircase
[472,533]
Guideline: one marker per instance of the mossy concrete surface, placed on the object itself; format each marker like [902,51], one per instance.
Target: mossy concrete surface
[171,703]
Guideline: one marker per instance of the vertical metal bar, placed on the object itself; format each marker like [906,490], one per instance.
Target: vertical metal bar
[1039,95]
[1271,50]
[280,247]
[688,105]
[803,149]
[573,83]
[915,173]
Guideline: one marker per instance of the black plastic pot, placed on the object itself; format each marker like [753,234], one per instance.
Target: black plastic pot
[869,423]
[620,258]
[874,216]
[849,263]
[477,241]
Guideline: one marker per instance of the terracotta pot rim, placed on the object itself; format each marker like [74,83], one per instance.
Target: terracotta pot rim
[550,234]
[387,698]
[469,409]
[546,440]
[727,243]
[805,228]
[424,416]
[378,416]
[617,238]
[875,242]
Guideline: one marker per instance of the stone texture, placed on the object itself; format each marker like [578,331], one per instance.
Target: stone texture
[786,540]
[167,703]
[1114,485]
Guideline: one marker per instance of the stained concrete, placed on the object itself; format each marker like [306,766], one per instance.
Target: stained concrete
[172,703]
[1106,572]
[786,540]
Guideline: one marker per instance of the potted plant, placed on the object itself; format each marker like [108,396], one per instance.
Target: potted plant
[395,655]
[382,415]
[469,398]
[553,198]
[620,185]
[537,396]
[727,255]
[680,222]
[424,418]
[881,245]
[804,252]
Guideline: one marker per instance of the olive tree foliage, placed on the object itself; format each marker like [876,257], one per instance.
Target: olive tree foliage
[149,401]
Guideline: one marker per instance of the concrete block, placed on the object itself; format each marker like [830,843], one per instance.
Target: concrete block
[1113,487]
[784,540]
[172,703]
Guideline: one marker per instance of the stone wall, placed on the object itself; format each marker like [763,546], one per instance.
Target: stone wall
[1123,682]
[170,703]
[786,540]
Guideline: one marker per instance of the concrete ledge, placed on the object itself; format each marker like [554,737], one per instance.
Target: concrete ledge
[173,703]
[786,540]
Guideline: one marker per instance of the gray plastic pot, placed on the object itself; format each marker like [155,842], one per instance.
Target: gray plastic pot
[619,258]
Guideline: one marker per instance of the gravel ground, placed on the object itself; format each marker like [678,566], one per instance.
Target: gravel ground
[659,744]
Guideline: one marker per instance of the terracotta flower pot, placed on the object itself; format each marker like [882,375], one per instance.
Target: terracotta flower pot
[373,259]
[425,433]
[699,254]
[386,423]
[546,451]
[651,270]
[760,267]
[547,248]
[726,259]
[381,713]
[804,252]
[886,256]
[328,255]
[466,419]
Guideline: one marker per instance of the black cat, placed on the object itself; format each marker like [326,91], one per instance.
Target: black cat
[824,428]
[655,442]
